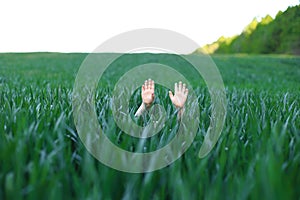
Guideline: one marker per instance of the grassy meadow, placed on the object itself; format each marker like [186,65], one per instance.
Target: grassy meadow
[256,157]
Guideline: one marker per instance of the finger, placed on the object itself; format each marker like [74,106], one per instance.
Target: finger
[143,87]
[151,84]
[183,87]
[176,88]
[186,92]
[180,86]
[146,84]
[171,95]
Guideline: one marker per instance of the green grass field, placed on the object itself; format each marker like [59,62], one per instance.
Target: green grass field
[256,157]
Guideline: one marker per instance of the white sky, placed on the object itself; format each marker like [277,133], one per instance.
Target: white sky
[80,26]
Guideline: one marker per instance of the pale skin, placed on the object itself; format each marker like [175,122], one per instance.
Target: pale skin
[147,97]
[178,98]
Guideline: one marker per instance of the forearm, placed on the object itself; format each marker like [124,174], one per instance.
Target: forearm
[143,108]
[180,112]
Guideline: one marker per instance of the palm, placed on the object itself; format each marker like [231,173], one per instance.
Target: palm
[179,99]
[181,93]
[148,92]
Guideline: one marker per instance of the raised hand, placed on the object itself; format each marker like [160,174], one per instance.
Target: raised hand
[148,92]
[180,96]
[147,97]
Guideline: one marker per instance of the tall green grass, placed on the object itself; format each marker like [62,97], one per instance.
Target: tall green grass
[257,155]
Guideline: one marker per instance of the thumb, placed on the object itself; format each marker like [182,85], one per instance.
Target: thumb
[171,95]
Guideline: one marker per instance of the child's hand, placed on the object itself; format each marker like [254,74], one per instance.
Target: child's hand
[148,92]
[181,93]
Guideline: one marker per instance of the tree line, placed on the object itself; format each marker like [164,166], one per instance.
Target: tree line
[267,36]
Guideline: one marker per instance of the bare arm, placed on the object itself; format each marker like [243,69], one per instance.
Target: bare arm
[147,97]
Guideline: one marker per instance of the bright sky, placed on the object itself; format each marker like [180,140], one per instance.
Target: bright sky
[80,26]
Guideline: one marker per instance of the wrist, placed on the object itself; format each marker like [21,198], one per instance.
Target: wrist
[179,108]
[147,105]
[180,111]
